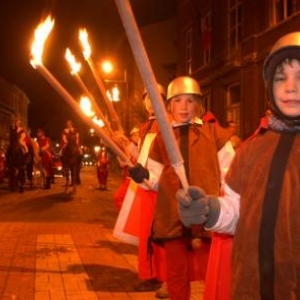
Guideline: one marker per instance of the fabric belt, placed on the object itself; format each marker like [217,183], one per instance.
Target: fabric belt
[269,217]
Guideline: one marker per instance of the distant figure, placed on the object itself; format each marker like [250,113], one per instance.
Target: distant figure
[46,156]
[102,168]
[69,132]
[19,155]
[235,139]
[71,154]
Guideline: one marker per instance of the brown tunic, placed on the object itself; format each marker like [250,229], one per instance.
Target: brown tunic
[204,142]
[248,176]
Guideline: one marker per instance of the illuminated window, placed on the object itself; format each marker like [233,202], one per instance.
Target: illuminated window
[234,23]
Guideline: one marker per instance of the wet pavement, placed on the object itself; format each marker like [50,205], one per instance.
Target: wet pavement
[60,247]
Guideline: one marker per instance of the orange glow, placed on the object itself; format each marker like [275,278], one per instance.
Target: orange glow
[75,66]
[86,107]
[107,66]
[84,40]
[40,36]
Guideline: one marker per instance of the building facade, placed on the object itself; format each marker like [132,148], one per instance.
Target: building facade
[12,101]
[223,45]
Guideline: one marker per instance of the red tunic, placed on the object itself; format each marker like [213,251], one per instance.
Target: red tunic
[102,167]
[46,155]
[204,142]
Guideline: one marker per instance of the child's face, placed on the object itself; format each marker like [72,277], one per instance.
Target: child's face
[183,107]
[286,88]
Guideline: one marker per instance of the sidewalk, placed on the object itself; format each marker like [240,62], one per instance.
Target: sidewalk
[59,247]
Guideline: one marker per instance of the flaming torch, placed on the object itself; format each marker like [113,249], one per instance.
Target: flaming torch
[83,37]
[86,107]
[75,68]
[41,34]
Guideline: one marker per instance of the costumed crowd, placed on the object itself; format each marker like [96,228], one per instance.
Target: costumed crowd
[235,227]
[25,156]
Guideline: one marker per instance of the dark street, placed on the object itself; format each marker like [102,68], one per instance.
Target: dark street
[57,246]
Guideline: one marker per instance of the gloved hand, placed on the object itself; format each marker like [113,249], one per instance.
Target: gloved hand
[138,173]
[195,207]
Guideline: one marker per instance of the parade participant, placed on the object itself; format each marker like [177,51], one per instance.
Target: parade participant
[151,256]
[70,135]
[46,156]
[260,205]
[130,147]
[102,167]
[67,131]
[204,147]
[218,273]
[20,135]
[20,139]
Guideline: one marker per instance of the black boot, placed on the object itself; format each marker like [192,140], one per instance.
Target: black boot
[47,185]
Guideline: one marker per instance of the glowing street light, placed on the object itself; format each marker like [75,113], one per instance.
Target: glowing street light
[107,67]
[86,51]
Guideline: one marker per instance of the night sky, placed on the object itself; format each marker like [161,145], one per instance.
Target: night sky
[18,21]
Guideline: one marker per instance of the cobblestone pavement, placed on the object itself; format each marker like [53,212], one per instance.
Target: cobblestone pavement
[60,247]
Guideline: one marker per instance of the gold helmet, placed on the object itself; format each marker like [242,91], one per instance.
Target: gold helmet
[183,85]
[287,47]
[160,88]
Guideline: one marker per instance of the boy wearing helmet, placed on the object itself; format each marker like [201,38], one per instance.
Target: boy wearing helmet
[202,145]
[261,201]
[151,262]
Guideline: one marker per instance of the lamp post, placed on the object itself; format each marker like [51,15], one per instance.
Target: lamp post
[114,93]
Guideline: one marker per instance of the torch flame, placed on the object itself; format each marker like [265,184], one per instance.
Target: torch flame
[86,106]
[40,36]
[97,121]
[83,37]
[75,66]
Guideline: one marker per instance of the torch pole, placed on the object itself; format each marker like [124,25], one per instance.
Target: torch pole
[97,109]
[150,82]
[72,102]
[112,112]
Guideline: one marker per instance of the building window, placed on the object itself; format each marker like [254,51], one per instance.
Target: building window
[188,51]
[283,9]
[233,103]
[234,23]
[206,37]
[206,101]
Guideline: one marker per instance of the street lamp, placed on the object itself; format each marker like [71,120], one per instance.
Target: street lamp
[114,93]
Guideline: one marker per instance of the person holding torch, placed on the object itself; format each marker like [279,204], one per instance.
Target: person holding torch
[261,201]
[207,153]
